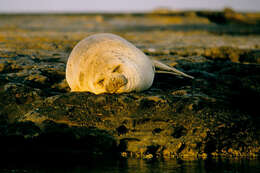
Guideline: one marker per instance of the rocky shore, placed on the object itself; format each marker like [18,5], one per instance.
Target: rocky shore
[216,114]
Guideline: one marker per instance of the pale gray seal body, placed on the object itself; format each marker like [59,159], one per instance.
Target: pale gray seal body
[107,63]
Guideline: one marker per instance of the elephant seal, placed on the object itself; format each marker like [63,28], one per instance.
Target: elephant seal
[107,63]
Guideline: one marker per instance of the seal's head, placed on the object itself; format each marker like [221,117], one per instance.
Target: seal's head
[111,80]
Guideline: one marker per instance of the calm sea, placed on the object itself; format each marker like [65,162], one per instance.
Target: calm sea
[140,166]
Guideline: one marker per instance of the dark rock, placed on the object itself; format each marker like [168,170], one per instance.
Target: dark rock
[181,148]
[157,130]
[179,131]
[153,149]
[121,130]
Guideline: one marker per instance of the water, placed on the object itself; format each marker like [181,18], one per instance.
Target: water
[140,166]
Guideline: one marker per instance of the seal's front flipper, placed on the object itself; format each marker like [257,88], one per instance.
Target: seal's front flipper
[163,68]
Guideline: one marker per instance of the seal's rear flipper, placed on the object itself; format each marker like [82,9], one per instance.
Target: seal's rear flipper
[163,68]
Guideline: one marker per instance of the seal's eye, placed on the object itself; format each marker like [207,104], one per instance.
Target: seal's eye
[116,69]
[101,82]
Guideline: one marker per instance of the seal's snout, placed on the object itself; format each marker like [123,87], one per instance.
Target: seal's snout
[115,82]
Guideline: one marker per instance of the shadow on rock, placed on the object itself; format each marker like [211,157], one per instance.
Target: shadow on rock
[55,141]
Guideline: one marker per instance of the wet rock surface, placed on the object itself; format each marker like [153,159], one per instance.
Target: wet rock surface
[215,114]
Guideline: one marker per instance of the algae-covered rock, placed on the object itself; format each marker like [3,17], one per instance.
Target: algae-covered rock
[216,114]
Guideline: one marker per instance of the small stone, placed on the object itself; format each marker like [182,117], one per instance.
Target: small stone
[124,154]
[38,78]
[148,156]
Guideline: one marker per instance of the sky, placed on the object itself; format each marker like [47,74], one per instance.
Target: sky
[10,6]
